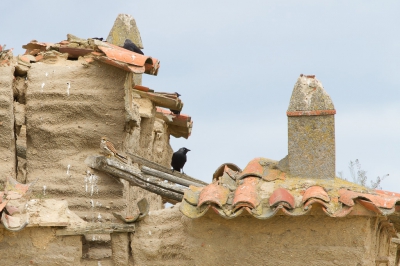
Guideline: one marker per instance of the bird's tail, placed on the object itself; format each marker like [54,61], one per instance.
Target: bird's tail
[121,158]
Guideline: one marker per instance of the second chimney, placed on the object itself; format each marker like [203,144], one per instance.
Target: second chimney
[311,130]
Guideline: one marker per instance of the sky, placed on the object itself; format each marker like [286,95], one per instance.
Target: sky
[235,64]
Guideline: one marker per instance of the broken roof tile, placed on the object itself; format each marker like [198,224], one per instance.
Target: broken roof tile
[230,168]
[115,53]
[263,168]
[74,52]
[101,51]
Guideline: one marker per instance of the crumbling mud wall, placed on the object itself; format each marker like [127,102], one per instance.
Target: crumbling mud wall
[7,140]
[166,237]
[68,109]
[39,246]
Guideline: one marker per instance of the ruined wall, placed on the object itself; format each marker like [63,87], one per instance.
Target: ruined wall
[166,237]
[7,140]
[69,107]
[39,246]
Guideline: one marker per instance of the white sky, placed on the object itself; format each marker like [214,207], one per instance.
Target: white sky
[235,64]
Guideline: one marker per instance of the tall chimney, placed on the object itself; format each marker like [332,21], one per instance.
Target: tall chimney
[311,130]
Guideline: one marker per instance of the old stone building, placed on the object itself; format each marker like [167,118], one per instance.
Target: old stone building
[63,203]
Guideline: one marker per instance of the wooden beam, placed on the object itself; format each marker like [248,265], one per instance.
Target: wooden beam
[160,100]
[169,177]
[134,177]
[142,161]
[97,228]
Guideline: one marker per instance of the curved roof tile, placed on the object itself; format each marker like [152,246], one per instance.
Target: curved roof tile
[263,190]
[315,192]
[281,195]
[246,194]
[213,193]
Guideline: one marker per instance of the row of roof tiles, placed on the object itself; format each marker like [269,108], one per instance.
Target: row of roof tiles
[263,190]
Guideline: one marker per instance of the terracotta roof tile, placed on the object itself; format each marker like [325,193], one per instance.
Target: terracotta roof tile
[213,193]
[315,192]
[178,125]
[101,51]
[13,190]
[246,194]
[234,191]
[282,196]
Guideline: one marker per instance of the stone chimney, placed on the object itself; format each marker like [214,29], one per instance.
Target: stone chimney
[311,130]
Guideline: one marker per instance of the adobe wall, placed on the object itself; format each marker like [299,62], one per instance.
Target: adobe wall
[39,246]
[7,140]
[166,237]
[70,105]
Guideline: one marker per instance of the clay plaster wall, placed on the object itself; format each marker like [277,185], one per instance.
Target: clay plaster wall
[69,107]
[39,246]
[64,126]
[166,237]
[7,140]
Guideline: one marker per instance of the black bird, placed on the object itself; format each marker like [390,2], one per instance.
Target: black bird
[129,45]
[96,38]
[176,112]
[179,159]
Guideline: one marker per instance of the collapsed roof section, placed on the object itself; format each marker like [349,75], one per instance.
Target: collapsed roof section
[92,49]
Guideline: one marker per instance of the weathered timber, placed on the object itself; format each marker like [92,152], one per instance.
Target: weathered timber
[132,175]
[160,100]
[168,94]
[178,188]
[168,177]
[141,161]
[142,88]
[97,228]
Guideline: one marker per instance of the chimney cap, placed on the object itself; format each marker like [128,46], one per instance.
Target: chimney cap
[309,95]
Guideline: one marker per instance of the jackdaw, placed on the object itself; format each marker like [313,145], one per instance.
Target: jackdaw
[176,112]
[179,159]
[129,45]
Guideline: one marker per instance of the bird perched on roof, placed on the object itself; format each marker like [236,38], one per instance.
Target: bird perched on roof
[109,148]
[176,112]
[179,159]
[129,45]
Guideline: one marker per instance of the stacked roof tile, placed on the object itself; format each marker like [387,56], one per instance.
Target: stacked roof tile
[92,49]
[264,189]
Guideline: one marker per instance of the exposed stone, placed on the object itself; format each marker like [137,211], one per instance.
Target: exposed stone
[125,28]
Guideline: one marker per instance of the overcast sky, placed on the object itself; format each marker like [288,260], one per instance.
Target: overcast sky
[235,64]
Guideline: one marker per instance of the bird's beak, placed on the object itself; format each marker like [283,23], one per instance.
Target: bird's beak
[188,150]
